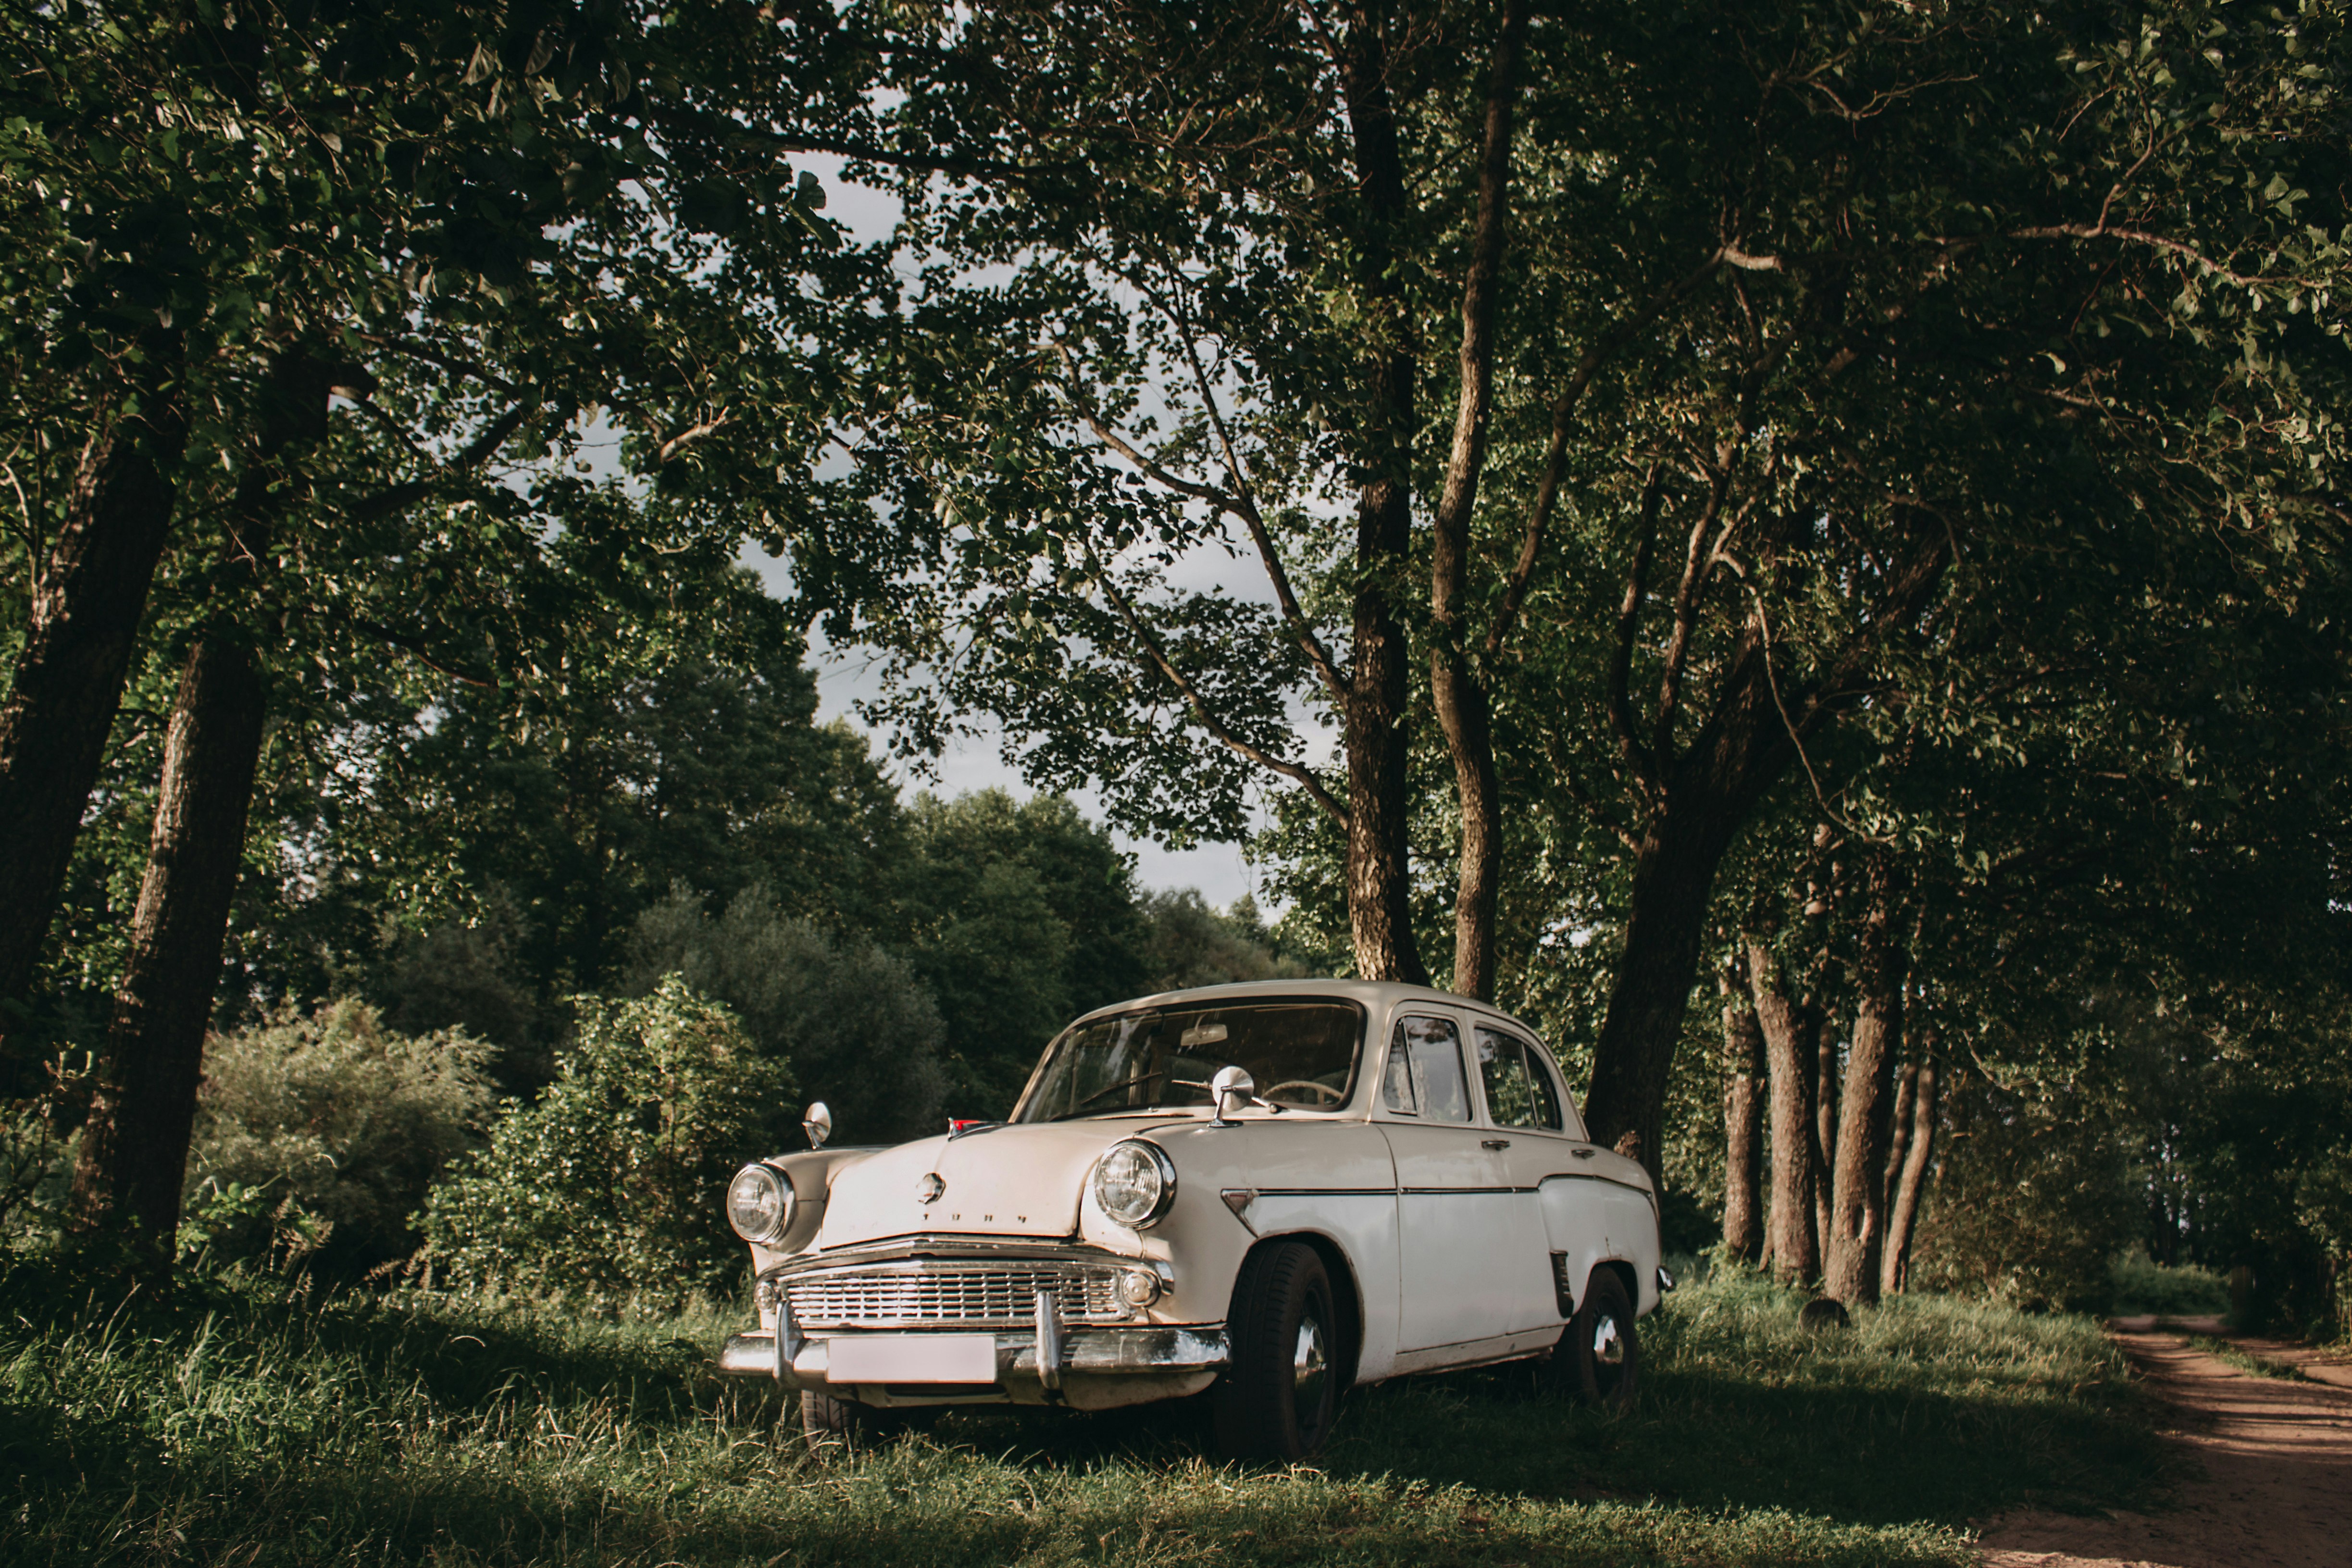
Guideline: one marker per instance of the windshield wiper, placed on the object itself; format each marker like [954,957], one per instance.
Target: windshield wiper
[1106,1089]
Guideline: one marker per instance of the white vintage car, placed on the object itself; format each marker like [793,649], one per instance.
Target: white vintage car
[1274,1190]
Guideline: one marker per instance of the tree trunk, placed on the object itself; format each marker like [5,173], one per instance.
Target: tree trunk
[82,629]
[1743,1119]
[1745,744]
[1857,1235]
[1455,692]
[1903,1213]
[1825,1132]
[1674,878]
[1907,1091]
[134,1146]
[1788,1226]
[134,1149]
[1377,727]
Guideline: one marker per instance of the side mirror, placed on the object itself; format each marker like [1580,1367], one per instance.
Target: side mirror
[817,1122]
[1232,1090]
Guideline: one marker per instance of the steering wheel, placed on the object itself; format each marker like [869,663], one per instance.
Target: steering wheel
[1330,1096]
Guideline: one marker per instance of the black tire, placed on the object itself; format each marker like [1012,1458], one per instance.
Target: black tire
[1280,1396]
[1598,1358]
[827,1422]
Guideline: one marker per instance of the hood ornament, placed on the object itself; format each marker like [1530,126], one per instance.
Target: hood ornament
[929,1188]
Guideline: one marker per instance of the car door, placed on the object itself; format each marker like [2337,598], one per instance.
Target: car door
[1455,1204]
[1562,1225]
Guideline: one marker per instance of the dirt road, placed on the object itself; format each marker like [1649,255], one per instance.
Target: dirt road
[2269,1463]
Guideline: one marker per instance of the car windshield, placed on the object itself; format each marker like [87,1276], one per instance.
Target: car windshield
[1299,1054]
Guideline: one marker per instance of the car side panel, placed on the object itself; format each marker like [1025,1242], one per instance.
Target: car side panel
[1364,1227]
[1327,1177]
[1594,1220]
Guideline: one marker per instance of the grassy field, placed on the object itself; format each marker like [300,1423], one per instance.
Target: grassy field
[245,1422]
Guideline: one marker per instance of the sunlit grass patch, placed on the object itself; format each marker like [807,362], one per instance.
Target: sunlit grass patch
[2244,1360]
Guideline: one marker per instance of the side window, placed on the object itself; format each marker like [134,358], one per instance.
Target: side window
[1549,1071]
[1424,1075]
[1519,1093]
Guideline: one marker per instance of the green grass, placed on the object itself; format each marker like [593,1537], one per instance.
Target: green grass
[245,1422]
[2245,1360]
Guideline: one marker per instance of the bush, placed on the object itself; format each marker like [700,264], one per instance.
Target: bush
[349,1120]
[2140,1285]
[36,1170]
[609,1186]
[858,1026]
[2032,1200]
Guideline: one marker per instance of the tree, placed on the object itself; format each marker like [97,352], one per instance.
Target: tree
[861,1031]
[476,246]
[1018,917]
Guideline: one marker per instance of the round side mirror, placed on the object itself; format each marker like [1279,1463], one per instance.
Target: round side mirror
[817,1122]
[1234,1090]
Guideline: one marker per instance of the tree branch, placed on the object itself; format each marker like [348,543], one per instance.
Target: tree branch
[1563,412]
[2141,237]
[1156,657]
[1449,559]
[1686,617]
[1247,509]
[475,454]
[1629,617]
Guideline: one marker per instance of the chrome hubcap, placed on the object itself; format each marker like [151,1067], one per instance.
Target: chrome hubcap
[1309,1368]
[1608,1344]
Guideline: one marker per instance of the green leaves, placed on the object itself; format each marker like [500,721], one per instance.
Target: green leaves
[608,1186]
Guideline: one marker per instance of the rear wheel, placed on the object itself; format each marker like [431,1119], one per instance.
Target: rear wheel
[1599,1359]
[1278,1398]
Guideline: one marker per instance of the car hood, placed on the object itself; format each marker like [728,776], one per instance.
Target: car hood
[1026,1181]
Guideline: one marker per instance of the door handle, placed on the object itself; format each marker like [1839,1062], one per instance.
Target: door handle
[1495,1143]
[1582,1154]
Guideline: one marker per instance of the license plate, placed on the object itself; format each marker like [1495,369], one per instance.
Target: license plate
[911,1358]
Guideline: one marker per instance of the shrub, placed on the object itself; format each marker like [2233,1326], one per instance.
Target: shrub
[609,1186]
[858,1026]
[2032,1200]
[351,1121]
[2139,1285]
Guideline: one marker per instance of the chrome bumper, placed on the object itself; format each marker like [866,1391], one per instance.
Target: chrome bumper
[1082,1367]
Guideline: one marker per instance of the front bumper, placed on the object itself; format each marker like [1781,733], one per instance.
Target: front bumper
[1088,1369]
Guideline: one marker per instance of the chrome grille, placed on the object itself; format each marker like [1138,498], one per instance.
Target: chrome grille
[927,1294]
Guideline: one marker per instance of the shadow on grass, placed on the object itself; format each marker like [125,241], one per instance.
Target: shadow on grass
[243,1420]
[911,1505]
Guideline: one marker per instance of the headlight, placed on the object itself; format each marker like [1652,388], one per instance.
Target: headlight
[760,1205]
[1135,1181]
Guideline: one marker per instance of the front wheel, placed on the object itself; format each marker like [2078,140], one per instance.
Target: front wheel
[1598,1358]
[1281,1393]
[830,1423]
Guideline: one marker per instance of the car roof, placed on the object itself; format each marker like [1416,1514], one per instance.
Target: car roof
[1377,997]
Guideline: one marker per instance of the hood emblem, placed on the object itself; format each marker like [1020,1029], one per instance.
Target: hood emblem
[930,1187]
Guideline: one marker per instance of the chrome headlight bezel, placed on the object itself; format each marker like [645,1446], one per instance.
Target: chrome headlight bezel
[762,1233]
[1150,1158]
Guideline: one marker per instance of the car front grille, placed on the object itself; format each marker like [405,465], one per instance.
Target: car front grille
[928,1294]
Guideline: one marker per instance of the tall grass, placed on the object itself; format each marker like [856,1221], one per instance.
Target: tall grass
[245,1421]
